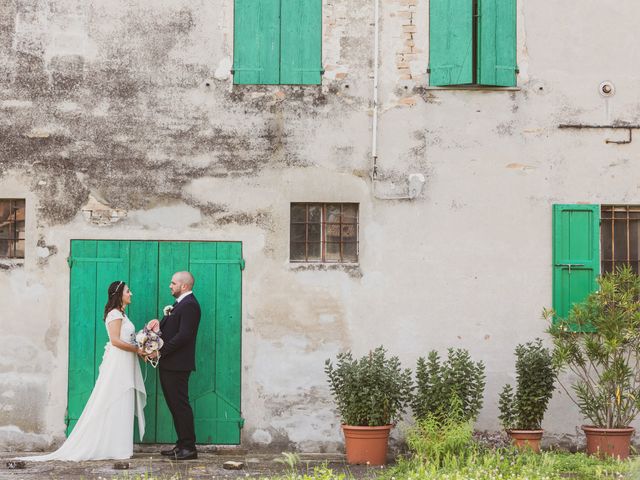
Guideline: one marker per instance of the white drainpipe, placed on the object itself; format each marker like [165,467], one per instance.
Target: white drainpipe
[416,180]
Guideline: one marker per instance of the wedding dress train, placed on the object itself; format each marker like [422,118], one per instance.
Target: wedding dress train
[105,428]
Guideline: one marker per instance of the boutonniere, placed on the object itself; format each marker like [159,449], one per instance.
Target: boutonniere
[167,310]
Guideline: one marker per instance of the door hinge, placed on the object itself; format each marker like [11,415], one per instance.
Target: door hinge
[70,261]
[241,423]
[242,264]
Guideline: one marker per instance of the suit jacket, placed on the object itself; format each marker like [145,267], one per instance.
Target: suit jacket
[179,331]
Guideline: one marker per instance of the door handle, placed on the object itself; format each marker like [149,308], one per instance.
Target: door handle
[569,265]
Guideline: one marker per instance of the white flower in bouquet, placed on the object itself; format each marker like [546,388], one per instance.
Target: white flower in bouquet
[149,340]
[141,337]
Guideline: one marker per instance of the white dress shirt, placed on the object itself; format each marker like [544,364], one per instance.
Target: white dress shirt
[183,295]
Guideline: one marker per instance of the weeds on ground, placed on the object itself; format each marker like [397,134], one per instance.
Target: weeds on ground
[446,450]
[321,472]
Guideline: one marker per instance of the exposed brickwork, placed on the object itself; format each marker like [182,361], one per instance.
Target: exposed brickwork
[406,52]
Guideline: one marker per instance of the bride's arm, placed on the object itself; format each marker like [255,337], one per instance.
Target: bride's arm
[114,337]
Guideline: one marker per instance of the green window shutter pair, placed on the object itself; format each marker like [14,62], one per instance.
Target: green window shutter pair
[278,42]
[576,254]
[452,43]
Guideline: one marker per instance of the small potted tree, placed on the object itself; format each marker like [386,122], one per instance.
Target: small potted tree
[455,385]
[521,412]
[600,344]
[370,393]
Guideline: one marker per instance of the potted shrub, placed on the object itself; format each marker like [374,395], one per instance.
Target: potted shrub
[521,412]
[600,344]
[370,393]
[455,385]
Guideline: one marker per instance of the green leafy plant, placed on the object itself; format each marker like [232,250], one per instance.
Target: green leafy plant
[439,439]
[525,408]
[605,359]
[512,465]
[439,385]
[372,391]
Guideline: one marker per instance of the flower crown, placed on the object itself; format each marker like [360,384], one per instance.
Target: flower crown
[117,287]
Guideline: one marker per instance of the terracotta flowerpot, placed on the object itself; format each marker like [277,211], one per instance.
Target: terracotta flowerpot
[613,442]
[526,439]
[366,444]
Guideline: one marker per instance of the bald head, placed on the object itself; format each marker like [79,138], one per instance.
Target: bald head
[185,278]
[181,282]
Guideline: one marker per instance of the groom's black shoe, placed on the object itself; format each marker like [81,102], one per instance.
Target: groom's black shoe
[170,452]
[184,454]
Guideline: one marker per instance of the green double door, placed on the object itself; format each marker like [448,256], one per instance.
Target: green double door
[147,267]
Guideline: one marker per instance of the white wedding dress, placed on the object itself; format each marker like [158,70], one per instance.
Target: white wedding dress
[105,428]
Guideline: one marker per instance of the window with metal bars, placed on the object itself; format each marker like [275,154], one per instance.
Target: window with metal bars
[12,228]
[324,232]
[619,237]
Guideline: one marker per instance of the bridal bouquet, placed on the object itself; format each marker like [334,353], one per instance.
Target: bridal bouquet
[149,340]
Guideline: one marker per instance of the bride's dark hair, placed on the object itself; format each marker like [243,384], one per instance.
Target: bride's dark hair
[115,291]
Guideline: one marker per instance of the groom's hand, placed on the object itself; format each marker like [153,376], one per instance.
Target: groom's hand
[152,355]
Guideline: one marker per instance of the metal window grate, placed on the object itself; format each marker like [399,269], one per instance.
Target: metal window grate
[12,228]
[324,232]
[620,237]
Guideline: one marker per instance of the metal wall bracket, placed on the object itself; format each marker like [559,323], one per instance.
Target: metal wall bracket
[615,126]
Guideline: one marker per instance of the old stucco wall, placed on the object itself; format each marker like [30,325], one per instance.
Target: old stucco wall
[118,119]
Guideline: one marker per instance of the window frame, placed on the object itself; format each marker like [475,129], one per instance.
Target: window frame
[13,237]
[323,233]
[608,218]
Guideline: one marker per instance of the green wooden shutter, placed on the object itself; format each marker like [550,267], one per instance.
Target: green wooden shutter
[94,265]
[144,284]
[256,42]
[450,42]
[82,337]
[576,254]
[497,43]
[301,42]
[173,257]
[215,389]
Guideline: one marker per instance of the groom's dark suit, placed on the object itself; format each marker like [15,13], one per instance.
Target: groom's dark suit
[177,361]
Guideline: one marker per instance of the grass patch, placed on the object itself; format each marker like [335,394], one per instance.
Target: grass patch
[513,465]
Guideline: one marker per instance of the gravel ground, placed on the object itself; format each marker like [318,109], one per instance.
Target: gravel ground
[208,465]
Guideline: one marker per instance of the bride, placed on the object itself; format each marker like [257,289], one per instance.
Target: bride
[105,428]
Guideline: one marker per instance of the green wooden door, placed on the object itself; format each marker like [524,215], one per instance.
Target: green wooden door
[576,254]
[147,268]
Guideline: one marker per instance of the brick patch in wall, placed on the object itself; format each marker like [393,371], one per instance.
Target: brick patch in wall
[407,52]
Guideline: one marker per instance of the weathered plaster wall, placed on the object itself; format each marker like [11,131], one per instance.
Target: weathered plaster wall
[118,119]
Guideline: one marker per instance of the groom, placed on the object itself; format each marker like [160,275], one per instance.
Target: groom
[178,359]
